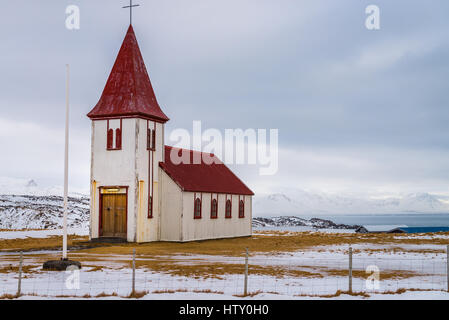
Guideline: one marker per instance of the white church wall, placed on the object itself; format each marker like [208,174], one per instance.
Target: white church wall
[113,168]
[148,229]
[208,228]
[171,209]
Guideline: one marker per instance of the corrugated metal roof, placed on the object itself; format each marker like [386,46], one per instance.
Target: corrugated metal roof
[203,177]
[128,90]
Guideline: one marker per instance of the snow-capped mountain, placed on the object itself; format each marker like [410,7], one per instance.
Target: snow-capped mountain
[26,205]
[307,203]
[42,212]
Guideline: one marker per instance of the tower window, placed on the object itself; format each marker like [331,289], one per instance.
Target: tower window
[118,138]
[197,209]
[110,139]
[228,213]
[114,135]
[214,209]
[149,135]
[151,139]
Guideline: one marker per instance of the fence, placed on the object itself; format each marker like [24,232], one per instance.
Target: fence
[288,275]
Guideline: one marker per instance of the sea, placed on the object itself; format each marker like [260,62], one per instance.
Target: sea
[411,222]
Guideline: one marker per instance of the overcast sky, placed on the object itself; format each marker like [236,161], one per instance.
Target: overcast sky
[357,110]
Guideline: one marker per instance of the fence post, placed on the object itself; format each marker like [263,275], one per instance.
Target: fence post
[245,290]
[19,286]
[134,271]
[350,270]
[447,265]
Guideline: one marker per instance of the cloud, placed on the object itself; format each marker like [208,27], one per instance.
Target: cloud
[34,151]
[381,171]
[355,109]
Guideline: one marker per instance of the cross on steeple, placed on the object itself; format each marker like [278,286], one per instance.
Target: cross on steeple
[131,6]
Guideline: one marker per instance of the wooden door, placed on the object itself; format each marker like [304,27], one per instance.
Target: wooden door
[114,215]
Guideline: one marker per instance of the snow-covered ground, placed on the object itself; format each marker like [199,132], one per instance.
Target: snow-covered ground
[111,281]
[414,272]
[316,273]
[408,295]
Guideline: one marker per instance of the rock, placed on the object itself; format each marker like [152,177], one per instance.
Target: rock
[60,265]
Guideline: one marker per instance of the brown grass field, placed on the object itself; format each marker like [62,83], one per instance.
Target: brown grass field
[271,242]
[157,256]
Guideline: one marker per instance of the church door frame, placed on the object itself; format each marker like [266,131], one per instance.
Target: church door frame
[100,213]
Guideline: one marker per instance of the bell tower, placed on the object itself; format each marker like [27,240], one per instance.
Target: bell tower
[127,145]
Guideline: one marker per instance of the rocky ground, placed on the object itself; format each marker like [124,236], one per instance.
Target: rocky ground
[292,221]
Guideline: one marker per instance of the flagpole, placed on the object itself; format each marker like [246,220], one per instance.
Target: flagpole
[66,167]
[64,263]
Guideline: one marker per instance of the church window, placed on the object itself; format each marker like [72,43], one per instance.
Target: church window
[150,207]
[214,209]
[151,139]
[149,135]
[241,209]
[110,139]
[118,138]
[197,210]
[228,213]
[114,134]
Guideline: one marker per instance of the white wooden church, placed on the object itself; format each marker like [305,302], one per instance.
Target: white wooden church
[137,192]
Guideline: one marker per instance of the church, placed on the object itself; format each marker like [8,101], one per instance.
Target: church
[138,194]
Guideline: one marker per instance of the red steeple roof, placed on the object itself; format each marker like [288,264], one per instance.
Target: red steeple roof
[128,91]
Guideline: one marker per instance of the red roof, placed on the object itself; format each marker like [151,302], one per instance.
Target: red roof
[128,91]
[213,178]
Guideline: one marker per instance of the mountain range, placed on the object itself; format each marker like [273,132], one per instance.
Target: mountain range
[25,204]
[308,203]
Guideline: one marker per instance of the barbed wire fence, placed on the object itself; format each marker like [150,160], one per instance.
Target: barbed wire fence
[290,276]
